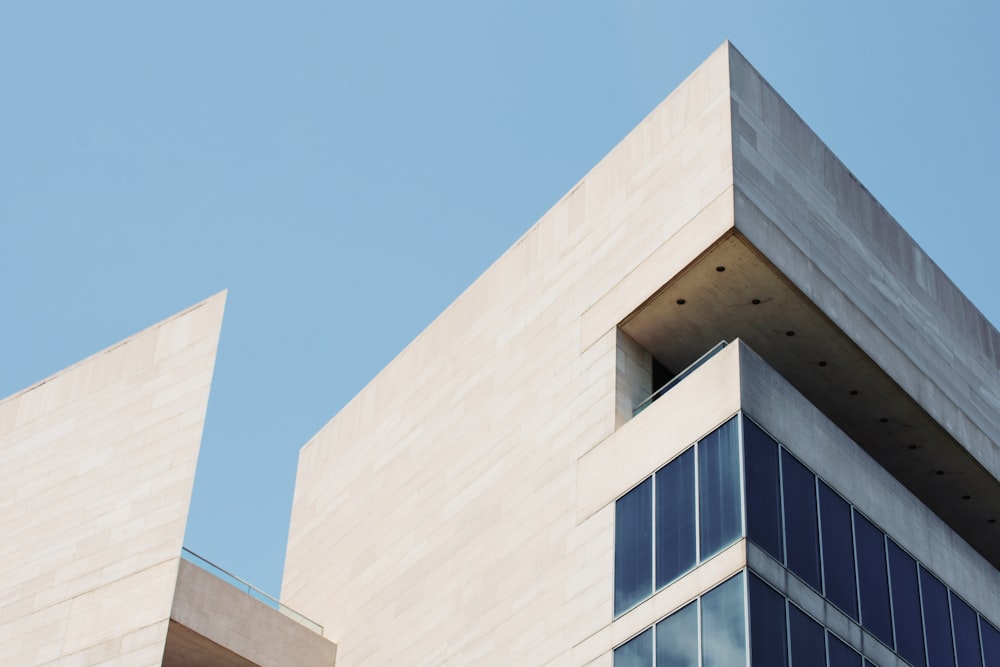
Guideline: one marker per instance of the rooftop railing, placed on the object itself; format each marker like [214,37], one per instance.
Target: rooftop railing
[680,376]
[249,589]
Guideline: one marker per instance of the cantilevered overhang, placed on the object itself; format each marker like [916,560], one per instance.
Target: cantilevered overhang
[732,291]
[214,624]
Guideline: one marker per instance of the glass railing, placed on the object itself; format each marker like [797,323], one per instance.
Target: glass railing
[677,378]
[249,589]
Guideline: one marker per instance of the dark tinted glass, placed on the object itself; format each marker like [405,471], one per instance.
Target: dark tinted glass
[806,639]
[634,546]
[768,647]
[965,624]
[937,621]
[636,652]
[763,489]
[873,580]
[719,488]
[869,663]
[801,531]
[991,643]
[723,636]
[838,551]
[677,638]
[841,655]
[906,605]
[676,541]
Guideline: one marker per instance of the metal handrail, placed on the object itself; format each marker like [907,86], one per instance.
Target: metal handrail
[250,589]
[680,376]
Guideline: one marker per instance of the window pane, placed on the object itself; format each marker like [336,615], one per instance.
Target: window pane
[991,643]
[634,546]
[636,652]
[723,637]
[807,642]
[719,488]
[768,647]
[677,638]
[937,621]
[801,531]
[869,663]
[965,624]
[906,605]
[675,519]
[842,655]
[838,551]
[873,579]
[763,489]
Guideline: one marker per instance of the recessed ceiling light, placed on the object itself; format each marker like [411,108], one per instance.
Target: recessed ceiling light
[884,419]
[966,497]
[853,392]
[789,333]
[720,269]
[939,472]
[681,302]
[912,447]
[822,363]
[755,302]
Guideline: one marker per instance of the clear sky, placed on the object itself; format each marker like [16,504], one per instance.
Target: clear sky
[347,169]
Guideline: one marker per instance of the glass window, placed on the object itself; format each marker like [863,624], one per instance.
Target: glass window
[991,643]
[768,647]
[801,531]
[869,663]
[906,605]
[677,638]
[873,580]
[723,635]
[634,546]
[841,655]
[676,541]
[966,627]
[636,652]
[806,640]
[937,621]
[763,489]
[838,551]
[719,489]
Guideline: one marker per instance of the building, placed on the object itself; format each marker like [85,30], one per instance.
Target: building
[715,408]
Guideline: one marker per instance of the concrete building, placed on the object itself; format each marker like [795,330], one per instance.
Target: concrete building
[715,408]
[489,498]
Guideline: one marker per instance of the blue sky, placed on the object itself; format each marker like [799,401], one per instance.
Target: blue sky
[347,169]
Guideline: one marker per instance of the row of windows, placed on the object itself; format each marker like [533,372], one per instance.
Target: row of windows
[685,513]
[693,508]
[711,632]
[815,533]
[785,636]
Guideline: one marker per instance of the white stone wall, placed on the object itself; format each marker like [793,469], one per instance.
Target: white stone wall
[98,463]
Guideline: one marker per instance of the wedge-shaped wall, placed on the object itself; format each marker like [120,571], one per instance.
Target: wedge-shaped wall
[98,464]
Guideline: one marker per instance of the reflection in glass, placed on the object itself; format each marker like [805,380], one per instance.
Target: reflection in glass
[719,488]
[768,647]
[723,635]
[906,605]
[801,532]
[763,489]
[637,652]
[634,546]
[838,551]
[966,628]
[677,638]
[937,621]
[991,643]
[841,655]
[675,519]
[805,639]
[873,580]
